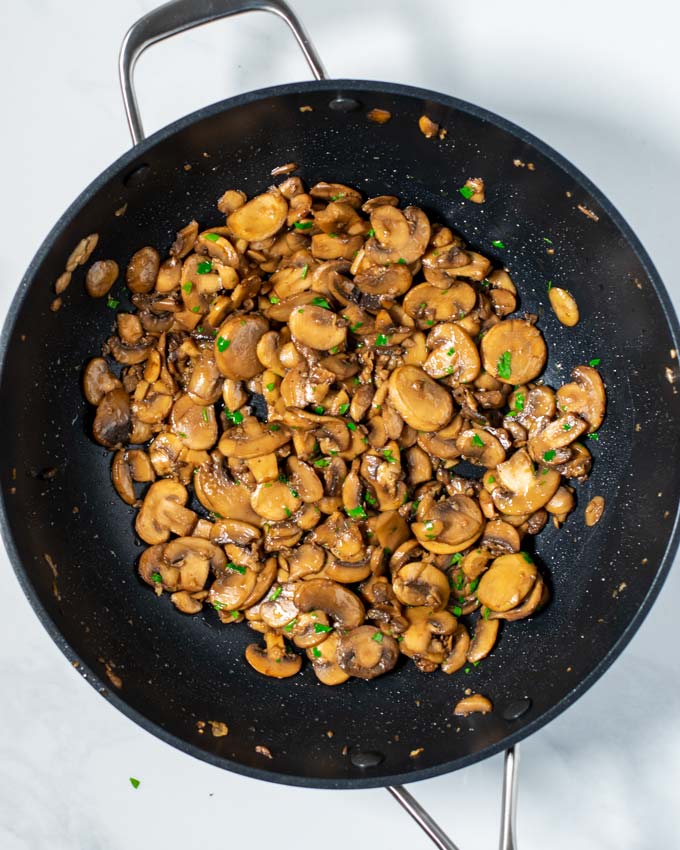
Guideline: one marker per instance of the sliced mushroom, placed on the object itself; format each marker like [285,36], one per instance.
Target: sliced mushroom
[484,639]
[163,512]
[585,397]
[450,525]
[420,401]
[194,424]
[399,235]
[422,640]
[428,303]
[236,346]
[390,281]
[532,602]
[259,218]
[594,511]
[365,652]
[185,602]
[344,608]
[194,557]
[274,501]
[419,583]
[548,442]
[98,380]
[519,488]
[142,270]
[112,421]
[474,704]
[480,447]
[452,354]
[324,661]
[100,278]
[457,655]
[129,466]
[317,327]
[507,582]
[232,587]
[514,351]
[274,660]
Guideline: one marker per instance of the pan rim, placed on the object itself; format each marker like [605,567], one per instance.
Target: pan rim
[135,156]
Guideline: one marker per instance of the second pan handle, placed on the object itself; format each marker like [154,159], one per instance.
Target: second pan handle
[180,15]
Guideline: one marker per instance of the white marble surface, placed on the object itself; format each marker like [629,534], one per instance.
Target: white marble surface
[596,80]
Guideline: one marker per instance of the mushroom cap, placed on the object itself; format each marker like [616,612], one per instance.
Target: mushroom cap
[585,396]
[519,488]
[514,351]
[276,663]
[420,401]
[484,640]
[163,512]
[365,652]
[245,443]
[449,526]
[112,421]
[399,235]
[427,302]
[236,346]
[343,606]
[419,583]
[261,217]
[195,424]
[142,270]
[230,589]
[324,661]
[507,582]
[452,354]
[98,380]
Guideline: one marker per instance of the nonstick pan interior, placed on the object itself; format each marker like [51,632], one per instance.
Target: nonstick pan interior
[174,670]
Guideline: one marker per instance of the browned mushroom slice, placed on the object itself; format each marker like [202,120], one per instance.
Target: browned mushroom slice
[594,510]
[194,424]
[562,503]
[500,538]
[474,704]
[306,560]
[263,583]
[457,655]
[98,380]
[274,501]
[236,531]
[194,557]
[546,445]
[336,191]
[344,608]
[184,240]
[484,639]
[420,401]
[585,396]
[419,583]
[480,448]
[279,609]
[324,661]
[520,489]
[365,652]
[231,200]
[128,466]
[308,630]
[418,466]
[336,246]
[100,278]
[507,582]
[215,244]
[185,602]
[259,218]
[232,588]
[422,640]
[399,235]
[142,270]
[274,660]
[206,383]
[317,327]
[427,303]
[236,346]
[111,427]
[449,526]
[304,480]
[514,351]
[163,512]
[390,530]
[150,565]
[342,537]
[126,353]
[534,600]
[391,281]
[452,353]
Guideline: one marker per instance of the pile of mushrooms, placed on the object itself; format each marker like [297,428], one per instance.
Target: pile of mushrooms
[288,402]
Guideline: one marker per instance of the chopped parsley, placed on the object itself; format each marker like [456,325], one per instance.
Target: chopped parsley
[305,269]
[320,629]
[595,436]
[218,606]
[322,463]
[498,244]
[112,303]
[204,268]
[549,455]
[187,287]
[316,652]
[134,782]
[457,610]
[237,567]
[456,559]
[334,350]
[288,512]
[303,225]
[382,339]
[549,241]
[195,309]
[289,628]
[357,513]
[549,286]
[223,343]
[370,500]
[274,299]
[275,595]
[352,426]
[527,557]
[338,196]
[451,352]
[474,585]
[270,388]
[274,427]
[486,613]
[594,362]
[318,409]
[182,435]
[566,427]
[321,302]
[389,457]
[477,440]
[371,232]
[355,328]
[156,578]
[401,261]
[377,637]
[467,192]
[491,479]
[343,409]
[236,417]
[204,414]
[504,367]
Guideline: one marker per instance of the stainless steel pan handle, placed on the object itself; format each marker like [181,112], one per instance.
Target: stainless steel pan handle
[180,15]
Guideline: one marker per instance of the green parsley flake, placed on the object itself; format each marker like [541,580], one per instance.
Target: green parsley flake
[527,557]
[467,192]
[451,352]
[382,339]
[236,567]
[549,455]
[134,782]
[182,435]
[112,303]
[343,409]
[305,269]
[316,652]
[371,233]
[270,388]
[204,414]
[334,350]
[486,613]
[357,513]
[156,578]
[274,299]
[187,287]
[491,479]
[275,427]
[322,463]
[195,309]
[223,343]
[290,626]
[355,328]
[377,637]
[456,559]
[474,585]
[594,436]
[235,418]
[389,457]
[318,409]
[321,302]
[594,362]
[212,237]
[503,367]
[275,595]
[370,500]
[498,244]
[549,286]
[320,629]
[235,614]
[549,241]
[303,225]
[566,427]
[204,268]
[288,512]
[457,610]
[338,196]
[401,261]
[218,606]
[477,440]
[352,426]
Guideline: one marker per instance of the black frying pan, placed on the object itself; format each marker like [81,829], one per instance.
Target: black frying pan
[177,670]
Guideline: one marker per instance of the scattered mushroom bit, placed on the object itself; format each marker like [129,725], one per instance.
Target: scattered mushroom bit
[287,404]
[594,510]
[474,704]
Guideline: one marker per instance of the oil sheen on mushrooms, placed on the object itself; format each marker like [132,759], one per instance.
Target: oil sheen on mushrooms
[291,404]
